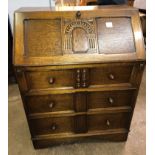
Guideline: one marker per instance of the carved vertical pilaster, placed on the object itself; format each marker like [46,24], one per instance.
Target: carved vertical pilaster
[82,78]
[78,79]
[80,102]
[80,124]
[85,78]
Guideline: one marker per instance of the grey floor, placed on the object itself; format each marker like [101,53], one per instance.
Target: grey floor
[20,143]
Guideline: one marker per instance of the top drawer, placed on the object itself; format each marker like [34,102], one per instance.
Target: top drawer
[85,77]
[50,79]
[111,74]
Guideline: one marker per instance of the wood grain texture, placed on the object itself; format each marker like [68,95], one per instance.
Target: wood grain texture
[42,38]
[108,121]
[118,14]
[110,34]
[51,125]
[111,74]
[78,71]
[108,135]
[49,103]
[80,41]
[109,99]
[59,78]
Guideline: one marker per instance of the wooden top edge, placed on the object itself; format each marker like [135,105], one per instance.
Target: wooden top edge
[24,64]
[75,8]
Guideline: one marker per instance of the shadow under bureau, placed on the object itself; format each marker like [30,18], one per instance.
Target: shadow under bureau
[79,70]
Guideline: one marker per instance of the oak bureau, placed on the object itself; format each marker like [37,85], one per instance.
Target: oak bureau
[79,70]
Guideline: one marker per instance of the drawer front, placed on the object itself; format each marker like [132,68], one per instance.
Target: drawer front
[115,73]
[111,74]
[108,121]
[109,99]
[50,79]
[52,125]
[49,103]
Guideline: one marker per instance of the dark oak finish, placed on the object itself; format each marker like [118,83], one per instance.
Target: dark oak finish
[50,79]
[51,125]
[111,74]
[79,71]
[109,99]
[49,103]
[108,121]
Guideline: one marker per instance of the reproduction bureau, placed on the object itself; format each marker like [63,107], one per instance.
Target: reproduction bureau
[79,70]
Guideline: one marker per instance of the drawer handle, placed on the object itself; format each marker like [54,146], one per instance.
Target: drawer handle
[111,77]
[53,127]
[111,100]
[78,14]
[51,80]
[108,123]
[51,105]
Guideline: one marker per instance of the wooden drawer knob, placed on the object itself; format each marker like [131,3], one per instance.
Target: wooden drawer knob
[53,127]
[18,70]
[141,66]
[78,14]
[51,105]
[108,123]
[111,77]
[51,80]
[111,100]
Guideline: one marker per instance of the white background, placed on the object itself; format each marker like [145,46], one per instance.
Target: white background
[150,69]
[16,4]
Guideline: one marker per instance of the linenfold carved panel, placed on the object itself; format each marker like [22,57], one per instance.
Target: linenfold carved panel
[79,36]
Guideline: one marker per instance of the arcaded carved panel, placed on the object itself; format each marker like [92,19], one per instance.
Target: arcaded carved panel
[115,35]
[79,36]
[43,37]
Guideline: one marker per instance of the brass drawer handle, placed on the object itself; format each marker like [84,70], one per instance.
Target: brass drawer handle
[111,76]
[111,100]
[51,105]
[51,80]
[53,127]
[108,123]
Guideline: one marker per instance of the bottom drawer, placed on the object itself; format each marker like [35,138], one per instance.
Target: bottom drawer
[51,125]
[79,123]
[108,121]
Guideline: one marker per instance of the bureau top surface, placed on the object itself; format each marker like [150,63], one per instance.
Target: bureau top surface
[77,35]
[74,8]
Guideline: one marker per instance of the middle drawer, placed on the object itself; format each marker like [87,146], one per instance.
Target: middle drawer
[68,102]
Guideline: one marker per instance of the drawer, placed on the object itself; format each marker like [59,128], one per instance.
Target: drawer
[109,99]
[50,79]
[52,125]
[115,73]
[111,74]
[49,103]
[108,121]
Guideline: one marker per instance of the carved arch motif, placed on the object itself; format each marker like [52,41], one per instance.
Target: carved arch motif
[87,31]
[79,24]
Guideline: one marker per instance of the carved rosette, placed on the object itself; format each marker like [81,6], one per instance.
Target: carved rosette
[79,36]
